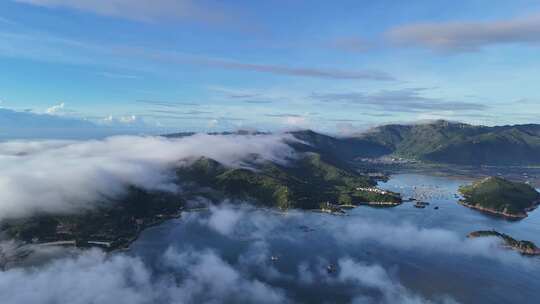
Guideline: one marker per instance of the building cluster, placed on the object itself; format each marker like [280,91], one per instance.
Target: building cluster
[374,190]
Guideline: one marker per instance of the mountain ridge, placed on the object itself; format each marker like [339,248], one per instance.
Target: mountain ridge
[439,141]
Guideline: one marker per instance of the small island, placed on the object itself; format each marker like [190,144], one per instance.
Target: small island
[500,197]
[523,247]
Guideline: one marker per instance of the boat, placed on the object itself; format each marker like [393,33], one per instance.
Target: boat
[331,268]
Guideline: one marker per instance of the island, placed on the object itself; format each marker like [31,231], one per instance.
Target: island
[500,197]
[523,247]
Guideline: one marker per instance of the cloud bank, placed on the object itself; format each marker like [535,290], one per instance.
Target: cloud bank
[368,283]
[209,274]
[186,276]
[248,223]
[69,176]
[94,277]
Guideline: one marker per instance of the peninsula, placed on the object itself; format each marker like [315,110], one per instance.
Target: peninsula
[523,247]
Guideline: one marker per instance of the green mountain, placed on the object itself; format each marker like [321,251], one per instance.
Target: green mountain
[114,225]
[458,143]
[498,196]
[439,142]
[304,183]
[307,181]
[334,149]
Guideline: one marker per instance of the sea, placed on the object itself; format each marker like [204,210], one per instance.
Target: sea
[369,255]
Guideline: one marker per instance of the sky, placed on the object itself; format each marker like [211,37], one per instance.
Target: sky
[88,68]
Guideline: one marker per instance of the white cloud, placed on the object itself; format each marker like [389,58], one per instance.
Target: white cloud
[209,279]
[367,283]
[249,223]
[256,259]
[377,278]
[240,220]
[94,277]
[191,276]
[88,278]
[186,275]
[56,176]
[297,121]
[212,123]
[56,109]
[127,120]
[224,219]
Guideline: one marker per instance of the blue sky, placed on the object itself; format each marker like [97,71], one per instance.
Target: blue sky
[336,66]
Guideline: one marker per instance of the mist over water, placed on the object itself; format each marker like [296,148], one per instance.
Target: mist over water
[239,254]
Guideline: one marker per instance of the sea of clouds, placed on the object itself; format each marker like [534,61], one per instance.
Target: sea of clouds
[206,274]
[193,277]
[70,176]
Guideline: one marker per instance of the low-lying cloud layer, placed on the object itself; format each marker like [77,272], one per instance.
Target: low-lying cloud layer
[94,277]
[248,223]
[201,269]
[69,176]
[187,276]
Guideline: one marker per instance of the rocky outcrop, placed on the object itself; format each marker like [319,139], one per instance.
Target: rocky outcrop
[523,247]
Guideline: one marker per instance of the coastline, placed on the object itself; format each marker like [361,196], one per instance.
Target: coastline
[525,248]
[508,216]
[380,204]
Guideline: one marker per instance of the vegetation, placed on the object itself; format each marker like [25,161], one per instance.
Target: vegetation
[304,183]
[115,224]
[524,247]
[463,144]
[337,150]
[439,142]
[318,176]
[499,196]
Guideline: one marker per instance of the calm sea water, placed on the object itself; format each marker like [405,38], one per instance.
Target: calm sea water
[418,259]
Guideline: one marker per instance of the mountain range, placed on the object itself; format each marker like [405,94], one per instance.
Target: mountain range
[322,174]
[437,142]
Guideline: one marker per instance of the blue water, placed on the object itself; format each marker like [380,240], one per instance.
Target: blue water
[452,215]
[427,267]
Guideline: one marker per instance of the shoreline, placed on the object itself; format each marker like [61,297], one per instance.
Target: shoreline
[505,215]
[525,248]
